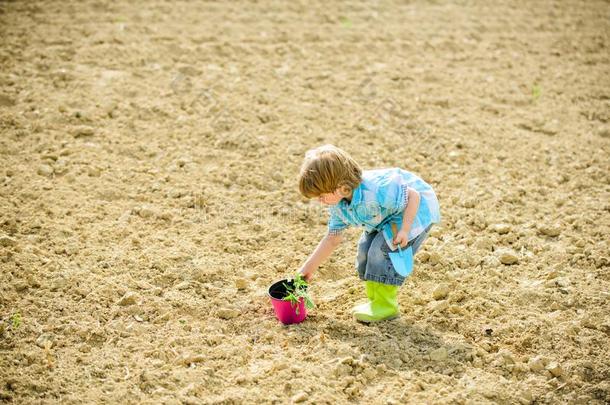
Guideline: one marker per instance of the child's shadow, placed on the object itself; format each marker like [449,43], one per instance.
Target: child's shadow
[402,346]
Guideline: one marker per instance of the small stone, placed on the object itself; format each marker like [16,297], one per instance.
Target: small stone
[439,354]
[369,373]
[61,166]
[536,364]
[94,171]
[32,282]
[20,286]
[50,156]
[588,321]
[550,128]
[129,298]
[469,203]
[507,257]
[71,250]
[454,155]
[6,101]
[82,131]
[553,274]
[110,109]
[59,283]
[419,300]
[419,385]
[484,244]
[45,170]
[555,369]
[491,261]
[189,70]
[439,306]
[507,356]
[488,393]
[342,370]
[241,283]
[227,313]
[550,283]
[173,193]
[423,257]
[181,162]
[166,216]
[145,212]
[551,230]
[454,309]
[526,397]
[441,292]
[501,228]
[299,397]
[347,360]
[7,241]
[189,358]
[434,258]
[45,340]
[572,329]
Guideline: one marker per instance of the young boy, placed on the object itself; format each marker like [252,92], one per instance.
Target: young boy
[378,200]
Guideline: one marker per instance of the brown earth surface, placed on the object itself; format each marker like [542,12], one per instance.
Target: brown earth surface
[148,199]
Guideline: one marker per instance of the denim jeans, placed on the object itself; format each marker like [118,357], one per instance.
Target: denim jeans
[373,262]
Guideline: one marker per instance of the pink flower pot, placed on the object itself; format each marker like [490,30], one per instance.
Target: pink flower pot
[285,311]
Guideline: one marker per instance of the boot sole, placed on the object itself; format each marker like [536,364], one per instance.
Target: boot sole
[378,320]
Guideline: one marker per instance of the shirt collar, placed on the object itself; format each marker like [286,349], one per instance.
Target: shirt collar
[356,198]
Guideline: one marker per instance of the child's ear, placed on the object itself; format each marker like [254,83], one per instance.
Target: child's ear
[345,190]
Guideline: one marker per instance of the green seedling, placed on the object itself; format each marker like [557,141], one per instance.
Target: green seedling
[345,21]
[536,92]
[296,291]
[16,320]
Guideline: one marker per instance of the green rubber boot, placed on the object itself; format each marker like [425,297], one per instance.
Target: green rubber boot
[384,305]
[370,293]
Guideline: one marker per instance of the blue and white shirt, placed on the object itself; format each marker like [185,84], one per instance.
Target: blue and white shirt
[380,200]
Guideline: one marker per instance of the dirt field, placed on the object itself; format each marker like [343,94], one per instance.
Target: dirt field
[149,154]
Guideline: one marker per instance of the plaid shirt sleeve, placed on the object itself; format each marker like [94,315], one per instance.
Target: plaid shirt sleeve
[336,225]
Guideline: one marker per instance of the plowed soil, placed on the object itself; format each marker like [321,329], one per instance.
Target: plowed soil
[148,161]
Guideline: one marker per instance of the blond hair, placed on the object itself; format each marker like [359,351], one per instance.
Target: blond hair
[327,168]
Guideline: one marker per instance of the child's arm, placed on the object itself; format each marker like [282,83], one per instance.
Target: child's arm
[326,246]
[408,216]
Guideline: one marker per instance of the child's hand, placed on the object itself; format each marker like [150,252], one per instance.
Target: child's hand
[401,238]
[307,274]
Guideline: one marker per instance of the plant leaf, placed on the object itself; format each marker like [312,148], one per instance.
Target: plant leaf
[309,303]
